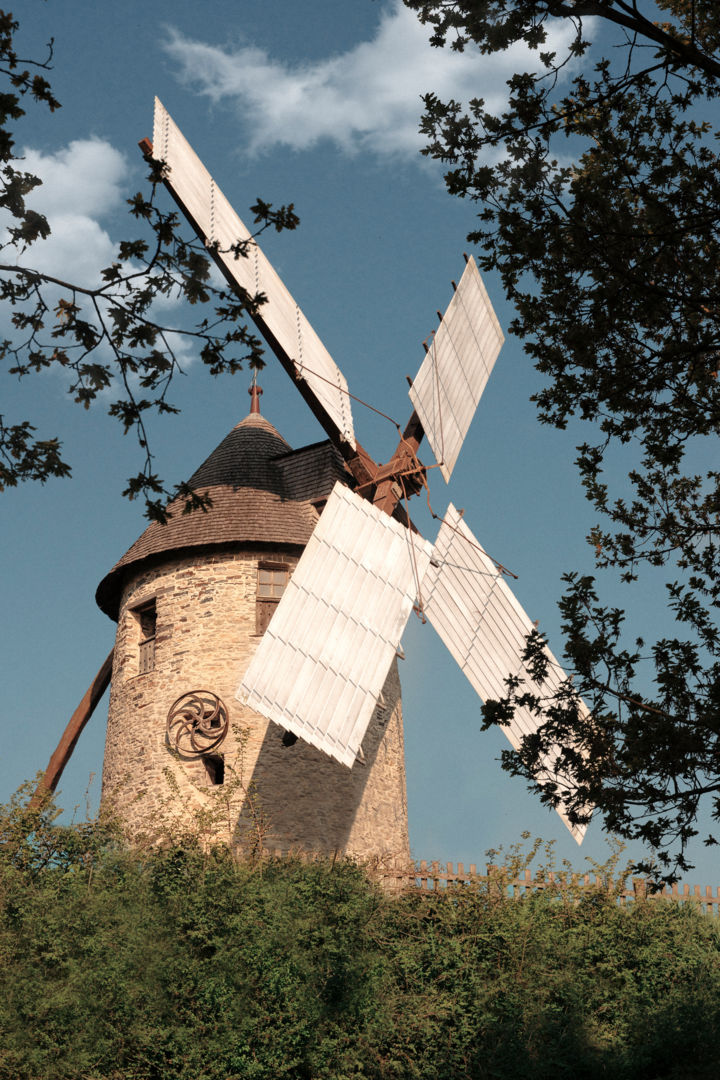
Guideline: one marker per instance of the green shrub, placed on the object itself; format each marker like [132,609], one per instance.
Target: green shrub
[187,964]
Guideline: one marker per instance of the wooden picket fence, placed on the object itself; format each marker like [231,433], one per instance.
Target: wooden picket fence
[435,876]
[432,876]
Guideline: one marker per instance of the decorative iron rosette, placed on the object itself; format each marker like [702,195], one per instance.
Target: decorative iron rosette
[197,723]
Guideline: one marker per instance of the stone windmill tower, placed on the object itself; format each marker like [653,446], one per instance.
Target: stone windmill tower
[192,600]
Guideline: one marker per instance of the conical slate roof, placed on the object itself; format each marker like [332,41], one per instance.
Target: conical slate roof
[262,492]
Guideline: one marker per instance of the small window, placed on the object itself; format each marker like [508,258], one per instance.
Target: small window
[147,618]
[271,584]
[272,581]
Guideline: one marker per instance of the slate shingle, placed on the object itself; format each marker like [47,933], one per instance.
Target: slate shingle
[262,492]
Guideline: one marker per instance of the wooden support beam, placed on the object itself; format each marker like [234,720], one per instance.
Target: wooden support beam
[72,732]
[414,433]
[403,463]
[388,496]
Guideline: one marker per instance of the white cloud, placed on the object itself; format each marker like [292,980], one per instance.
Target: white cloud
[81,184]
[76,250]
[367,98]
[86,177]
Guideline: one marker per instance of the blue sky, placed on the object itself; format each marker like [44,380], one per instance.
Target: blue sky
[315,103]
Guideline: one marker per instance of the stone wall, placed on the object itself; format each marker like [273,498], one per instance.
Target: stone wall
[278,796]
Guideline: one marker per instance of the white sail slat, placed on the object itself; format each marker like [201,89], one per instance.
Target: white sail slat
[219,224]
[469,603]
[453,375]
[324,658]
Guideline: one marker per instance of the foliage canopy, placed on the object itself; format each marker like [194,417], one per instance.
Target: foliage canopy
[598,190]
[187,965]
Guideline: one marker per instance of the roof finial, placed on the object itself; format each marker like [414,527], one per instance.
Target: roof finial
[255,391]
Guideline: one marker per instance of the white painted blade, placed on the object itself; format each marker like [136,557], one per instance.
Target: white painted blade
[219,224]
[324,658]
[452,377]
[467,600]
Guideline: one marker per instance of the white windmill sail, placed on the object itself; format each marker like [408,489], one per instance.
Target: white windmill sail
[324,658]
[452,377]
[219,224]
[468,601]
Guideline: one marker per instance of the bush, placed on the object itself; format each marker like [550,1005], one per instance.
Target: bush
[188,964]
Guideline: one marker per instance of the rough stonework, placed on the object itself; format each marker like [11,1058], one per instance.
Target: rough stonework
[274,795]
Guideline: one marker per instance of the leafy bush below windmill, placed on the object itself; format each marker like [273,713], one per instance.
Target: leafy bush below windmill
[186,964]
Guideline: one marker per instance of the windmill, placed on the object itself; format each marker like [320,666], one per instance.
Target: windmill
[320,667]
